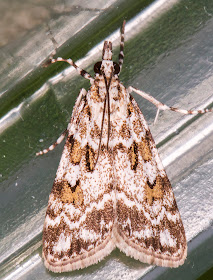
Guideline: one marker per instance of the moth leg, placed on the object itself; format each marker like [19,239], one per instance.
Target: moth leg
[51,60]
[80,71]
[55,46]
[164,107]
[82,93]
[121,54]
[52,147]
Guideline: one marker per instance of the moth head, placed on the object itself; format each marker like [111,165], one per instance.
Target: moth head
[107,66]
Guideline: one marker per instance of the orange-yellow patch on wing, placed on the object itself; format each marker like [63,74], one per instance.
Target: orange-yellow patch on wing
[144,149]
[69,196]
[154,191]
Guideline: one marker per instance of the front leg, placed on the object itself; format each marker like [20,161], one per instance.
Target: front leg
[52,147]
[82,93]
[164,107]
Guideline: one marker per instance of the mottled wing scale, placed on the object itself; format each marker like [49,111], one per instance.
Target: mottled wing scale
[148,225]
[80,213]
[111,188]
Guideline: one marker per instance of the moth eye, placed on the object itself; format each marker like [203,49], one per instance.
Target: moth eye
[116,68]
[97,67]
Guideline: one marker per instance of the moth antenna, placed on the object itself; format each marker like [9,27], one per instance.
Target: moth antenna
[121,54]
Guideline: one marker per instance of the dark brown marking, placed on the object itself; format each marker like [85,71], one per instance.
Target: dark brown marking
[173,109]
[84,98]
[122,45]
[124,131]
[57,188]
[95,131]
[83,72]
[97,67]
[75,247]
[118,97]
[120,56]
[151,185]
[130,108]
[73,188]
[138,220]
[53,213]
[137,127]
[82,128]
[111,186]
[47,63]
[74,149]
[95,95]
[149,137]
[87,111]
[102,148]
[133,155]
[120,147]
[95,217]
[90,158]
[166,184]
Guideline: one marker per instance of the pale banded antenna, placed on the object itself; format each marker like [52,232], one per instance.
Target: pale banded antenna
[121,54]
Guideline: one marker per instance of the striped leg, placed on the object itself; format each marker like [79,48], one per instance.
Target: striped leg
[51,60]
[58,141]
[121,54]
[80,71]
[82,93]
[164,107]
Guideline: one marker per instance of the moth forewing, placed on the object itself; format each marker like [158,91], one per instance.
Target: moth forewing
[149,226]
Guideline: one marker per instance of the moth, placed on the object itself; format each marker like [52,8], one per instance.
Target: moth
[111,189]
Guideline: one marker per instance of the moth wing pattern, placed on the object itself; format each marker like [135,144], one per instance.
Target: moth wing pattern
[79,218]
[111,189]
[149,227]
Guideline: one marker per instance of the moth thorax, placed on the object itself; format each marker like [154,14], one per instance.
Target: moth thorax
[107,51]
